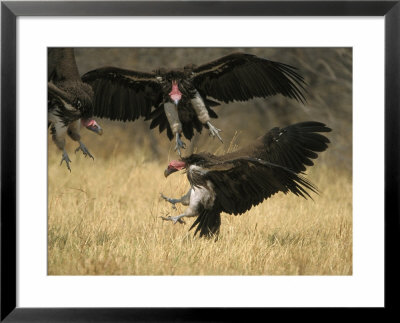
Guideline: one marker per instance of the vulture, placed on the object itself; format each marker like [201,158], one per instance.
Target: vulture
[181,100]
[237,181]
[70,101]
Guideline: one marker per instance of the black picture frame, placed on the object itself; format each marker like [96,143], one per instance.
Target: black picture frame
[10,10]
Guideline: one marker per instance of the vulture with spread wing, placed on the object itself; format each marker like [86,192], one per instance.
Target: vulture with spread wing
[70,101]
[181,100]
[235,182]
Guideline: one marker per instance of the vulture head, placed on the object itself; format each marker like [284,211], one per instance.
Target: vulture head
[174,166]
[175,95]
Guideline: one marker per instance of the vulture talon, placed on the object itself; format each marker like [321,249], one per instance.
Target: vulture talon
[214,131]
[174,219]
[65,158]
[85,151]
[170,200]
[179,144]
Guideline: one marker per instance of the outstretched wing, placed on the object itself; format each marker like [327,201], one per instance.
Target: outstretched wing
[248,176]
[240,77]
[241,184]
[246,182]
[123,95]
[293,147]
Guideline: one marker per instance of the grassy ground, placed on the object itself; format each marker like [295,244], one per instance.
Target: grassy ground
[104,219]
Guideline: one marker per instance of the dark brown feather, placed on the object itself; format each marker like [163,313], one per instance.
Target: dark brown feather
[123,95]
[240,77]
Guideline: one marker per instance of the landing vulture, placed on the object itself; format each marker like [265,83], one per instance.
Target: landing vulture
[70,101]
[181,100]
[235,182]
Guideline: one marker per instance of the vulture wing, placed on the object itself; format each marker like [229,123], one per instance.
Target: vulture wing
[123,95]
[240,77]
[241,184]
[246,177]
[292,147]
[246,182]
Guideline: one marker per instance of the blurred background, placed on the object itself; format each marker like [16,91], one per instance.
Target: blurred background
[327,72]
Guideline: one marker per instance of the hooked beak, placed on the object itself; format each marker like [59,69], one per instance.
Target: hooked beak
[97,129]
[92,125]
[168,171]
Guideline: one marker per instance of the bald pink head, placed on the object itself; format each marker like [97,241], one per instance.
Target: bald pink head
[92,125]
[175,94]
[174,166]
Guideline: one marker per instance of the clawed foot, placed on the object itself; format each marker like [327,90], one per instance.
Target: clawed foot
[179,144]
[214,131]
[65,158]
[174,219]
[85,151]
[172,201]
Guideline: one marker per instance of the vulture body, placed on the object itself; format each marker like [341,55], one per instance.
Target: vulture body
[70,101]
[181,100]
[235,182]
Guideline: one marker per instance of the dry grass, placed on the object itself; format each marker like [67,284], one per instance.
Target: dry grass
[104,219]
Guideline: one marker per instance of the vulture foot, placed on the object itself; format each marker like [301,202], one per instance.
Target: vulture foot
[65,158]
[174,219]
[170,200]
[214,131]
[85,151]
[179,144]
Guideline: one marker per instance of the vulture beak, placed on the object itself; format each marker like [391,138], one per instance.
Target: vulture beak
[168,171]
[92,125]
[174,166]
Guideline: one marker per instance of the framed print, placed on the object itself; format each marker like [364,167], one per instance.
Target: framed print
[95,238]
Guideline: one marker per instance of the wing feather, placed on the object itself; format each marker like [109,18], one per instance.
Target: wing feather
[240,77]
[250,181]
[121,94]
[293,147]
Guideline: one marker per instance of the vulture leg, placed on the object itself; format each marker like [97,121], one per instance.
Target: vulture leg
[179,144]
[173,119]
[73,132]
[185,199]
[85,151]
[58,131]
[175,218]
[198,198]
[65,158]
[203,116]
[214,131]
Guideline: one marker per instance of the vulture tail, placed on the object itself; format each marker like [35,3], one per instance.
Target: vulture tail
[208,223]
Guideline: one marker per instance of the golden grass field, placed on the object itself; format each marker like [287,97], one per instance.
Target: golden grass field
[104,219]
